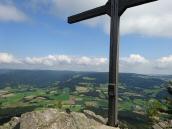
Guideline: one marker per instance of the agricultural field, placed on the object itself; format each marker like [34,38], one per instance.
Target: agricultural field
[15,101]
[79,92]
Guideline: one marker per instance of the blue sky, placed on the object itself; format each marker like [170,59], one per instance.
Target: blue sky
[35,35]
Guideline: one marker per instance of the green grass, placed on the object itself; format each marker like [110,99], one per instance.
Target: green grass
[139,102]
[125,106]
[88,78]
[152,92]
[75,108]
[62,97]
[103,103]
[12,100]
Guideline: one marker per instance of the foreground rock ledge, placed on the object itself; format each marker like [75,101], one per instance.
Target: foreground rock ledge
[163,125]
[54,119]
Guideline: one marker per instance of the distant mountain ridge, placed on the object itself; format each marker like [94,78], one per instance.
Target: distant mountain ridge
[44,78]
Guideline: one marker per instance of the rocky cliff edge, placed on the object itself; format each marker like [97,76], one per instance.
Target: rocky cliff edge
[55,119]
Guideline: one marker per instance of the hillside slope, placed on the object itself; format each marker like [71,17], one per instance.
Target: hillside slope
[44,78]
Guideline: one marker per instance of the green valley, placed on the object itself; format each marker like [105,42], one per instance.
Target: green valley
[78,91]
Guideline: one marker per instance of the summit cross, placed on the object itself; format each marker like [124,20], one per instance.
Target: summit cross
[113,8]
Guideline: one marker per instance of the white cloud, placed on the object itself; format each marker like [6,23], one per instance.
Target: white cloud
[53,60]
[91,61]
[65,62]
[6,58]
[165,63]
[49,60]
[9,12]
[167,59]
[135,59]
[134,63]
[68,7]
[153,19]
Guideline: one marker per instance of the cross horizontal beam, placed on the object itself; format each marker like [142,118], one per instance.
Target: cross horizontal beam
[132,3]
[124,4]
[88,14]
[102,10]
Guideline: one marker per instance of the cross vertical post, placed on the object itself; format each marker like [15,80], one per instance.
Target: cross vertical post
[115,9]
[113,65]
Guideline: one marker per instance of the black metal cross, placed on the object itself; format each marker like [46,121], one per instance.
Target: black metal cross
[114,8]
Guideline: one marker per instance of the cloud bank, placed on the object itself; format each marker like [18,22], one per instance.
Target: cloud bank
[134,63]
[9,12]
[154,19]
[6,58]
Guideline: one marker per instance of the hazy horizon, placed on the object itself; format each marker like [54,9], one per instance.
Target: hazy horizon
[83,71]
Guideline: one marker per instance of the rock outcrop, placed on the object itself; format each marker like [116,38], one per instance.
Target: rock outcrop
[163,125]
[55,119]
